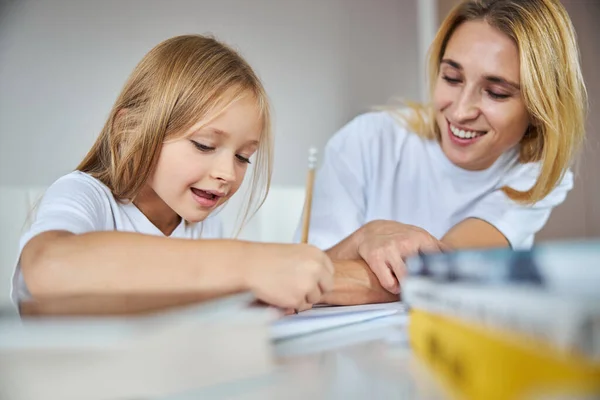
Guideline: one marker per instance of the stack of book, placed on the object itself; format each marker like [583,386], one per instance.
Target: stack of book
[174,352]
[504,324]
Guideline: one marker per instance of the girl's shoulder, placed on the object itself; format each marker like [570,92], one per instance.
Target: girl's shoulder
[78,191]
[78,182]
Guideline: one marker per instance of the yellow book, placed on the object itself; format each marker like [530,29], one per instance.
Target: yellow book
[475,362]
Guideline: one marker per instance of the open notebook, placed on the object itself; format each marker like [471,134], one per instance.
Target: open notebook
[323,318]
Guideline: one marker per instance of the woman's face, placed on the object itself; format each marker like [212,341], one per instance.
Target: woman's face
[479,107]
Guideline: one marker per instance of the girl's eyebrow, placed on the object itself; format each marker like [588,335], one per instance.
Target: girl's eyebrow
[489,78]
[226,134]
[220,132]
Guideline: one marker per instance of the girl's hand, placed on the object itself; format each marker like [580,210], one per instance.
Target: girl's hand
[289,276]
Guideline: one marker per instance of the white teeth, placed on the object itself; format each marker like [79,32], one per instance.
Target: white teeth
[463,134]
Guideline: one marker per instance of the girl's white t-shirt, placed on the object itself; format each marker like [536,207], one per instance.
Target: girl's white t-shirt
[374,168]
[80,203]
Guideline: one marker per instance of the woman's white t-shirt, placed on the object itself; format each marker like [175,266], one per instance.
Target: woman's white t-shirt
[374,168]
[80,203]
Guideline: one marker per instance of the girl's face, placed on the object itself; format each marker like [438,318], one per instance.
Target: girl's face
[198,173]
[479,107]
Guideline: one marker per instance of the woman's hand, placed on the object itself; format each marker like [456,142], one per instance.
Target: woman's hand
[384,245]
[289,276]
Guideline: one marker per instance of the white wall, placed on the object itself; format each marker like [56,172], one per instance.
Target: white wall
[63,62]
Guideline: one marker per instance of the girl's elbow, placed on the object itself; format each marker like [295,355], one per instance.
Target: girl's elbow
[38,263]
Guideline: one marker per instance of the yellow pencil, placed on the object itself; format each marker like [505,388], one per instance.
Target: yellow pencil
[310,179]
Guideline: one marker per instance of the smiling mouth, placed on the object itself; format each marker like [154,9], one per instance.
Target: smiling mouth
[464,134]
[205,195]
[206,199]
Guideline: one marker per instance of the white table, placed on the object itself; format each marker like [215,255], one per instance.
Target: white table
[369,360]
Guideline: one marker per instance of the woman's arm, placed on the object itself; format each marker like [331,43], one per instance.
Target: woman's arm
[59,263]
[474,233]
[384,245]
[354,283]
[497,221]
[347,249]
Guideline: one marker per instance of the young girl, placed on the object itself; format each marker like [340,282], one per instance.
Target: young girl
[135,217]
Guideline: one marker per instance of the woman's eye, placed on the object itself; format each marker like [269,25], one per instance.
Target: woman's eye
[202,147]
[243,159]
[498,96]
[450,80]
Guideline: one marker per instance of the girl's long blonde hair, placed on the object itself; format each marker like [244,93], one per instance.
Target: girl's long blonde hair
[551,83]
[181,81]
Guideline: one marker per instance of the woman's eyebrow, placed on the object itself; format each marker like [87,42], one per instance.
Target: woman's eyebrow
[489,78]
[452,63]
[502,81]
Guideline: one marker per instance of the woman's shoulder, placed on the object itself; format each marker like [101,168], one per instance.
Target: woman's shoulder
[522,176]
[370,130]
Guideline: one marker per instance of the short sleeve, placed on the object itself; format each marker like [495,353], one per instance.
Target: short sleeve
[517,222]
[74,204]
[71,204]
[339,200]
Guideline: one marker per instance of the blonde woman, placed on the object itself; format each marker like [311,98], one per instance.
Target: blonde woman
[483,165]
[175,147]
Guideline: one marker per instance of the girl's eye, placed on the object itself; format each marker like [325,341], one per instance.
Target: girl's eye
[451,81]
[202,147]
[243,159]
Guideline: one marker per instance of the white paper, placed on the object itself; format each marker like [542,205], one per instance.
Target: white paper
[391,329]
[321,318]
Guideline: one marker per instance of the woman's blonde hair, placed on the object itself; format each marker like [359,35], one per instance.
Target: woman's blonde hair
[551,83]
[181,81]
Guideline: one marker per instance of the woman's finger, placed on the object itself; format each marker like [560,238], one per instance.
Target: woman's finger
[399,268]
[384,273]
[429,244]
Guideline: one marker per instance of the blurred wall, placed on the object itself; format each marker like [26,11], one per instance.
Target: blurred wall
[579,216]
[63,62]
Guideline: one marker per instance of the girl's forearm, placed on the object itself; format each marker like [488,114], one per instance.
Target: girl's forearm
[61,263]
